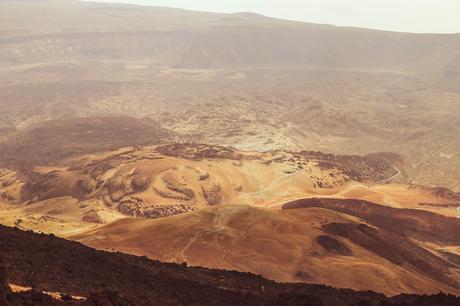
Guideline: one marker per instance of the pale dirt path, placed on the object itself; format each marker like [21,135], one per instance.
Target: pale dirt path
[261,193]
[390,178]
[219,226]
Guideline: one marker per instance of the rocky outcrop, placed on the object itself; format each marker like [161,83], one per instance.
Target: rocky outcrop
[136,207]
[213,194]
[176,188]
[198,151]
[93,217]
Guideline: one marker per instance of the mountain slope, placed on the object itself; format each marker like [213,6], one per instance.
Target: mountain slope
[52,141]
[38,261]
[187,39]
[40,192]
[313,245]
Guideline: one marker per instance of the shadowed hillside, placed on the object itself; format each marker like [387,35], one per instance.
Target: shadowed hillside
[34,260]
[52,141]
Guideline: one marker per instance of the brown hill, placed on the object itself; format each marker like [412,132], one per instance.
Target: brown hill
[64,196]
[52,141]
[418,224]
[36,261]
[313,245]
[185,39]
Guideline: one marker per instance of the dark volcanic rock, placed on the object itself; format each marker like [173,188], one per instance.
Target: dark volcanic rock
[418,224]
[333,245]
[394,248]
[5,291]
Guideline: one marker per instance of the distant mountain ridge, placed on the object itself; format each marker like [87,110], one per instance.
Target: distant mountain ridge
[83,30]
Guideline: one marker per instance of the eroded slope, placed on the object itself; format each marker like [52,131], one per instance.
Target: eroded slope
[314,245]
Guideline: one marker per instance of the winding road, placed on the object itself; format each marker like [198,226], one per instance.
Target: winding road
[398,172]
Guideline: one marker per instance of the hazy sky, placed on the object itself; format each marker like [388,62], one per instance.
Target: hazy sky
[442,16]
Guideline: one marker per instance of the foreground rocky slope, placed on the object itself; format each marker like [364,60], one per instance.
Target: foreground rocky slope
[51,264]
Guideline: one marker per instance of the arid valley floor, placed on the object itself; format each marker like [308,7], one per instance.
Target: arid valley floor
[201,139]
